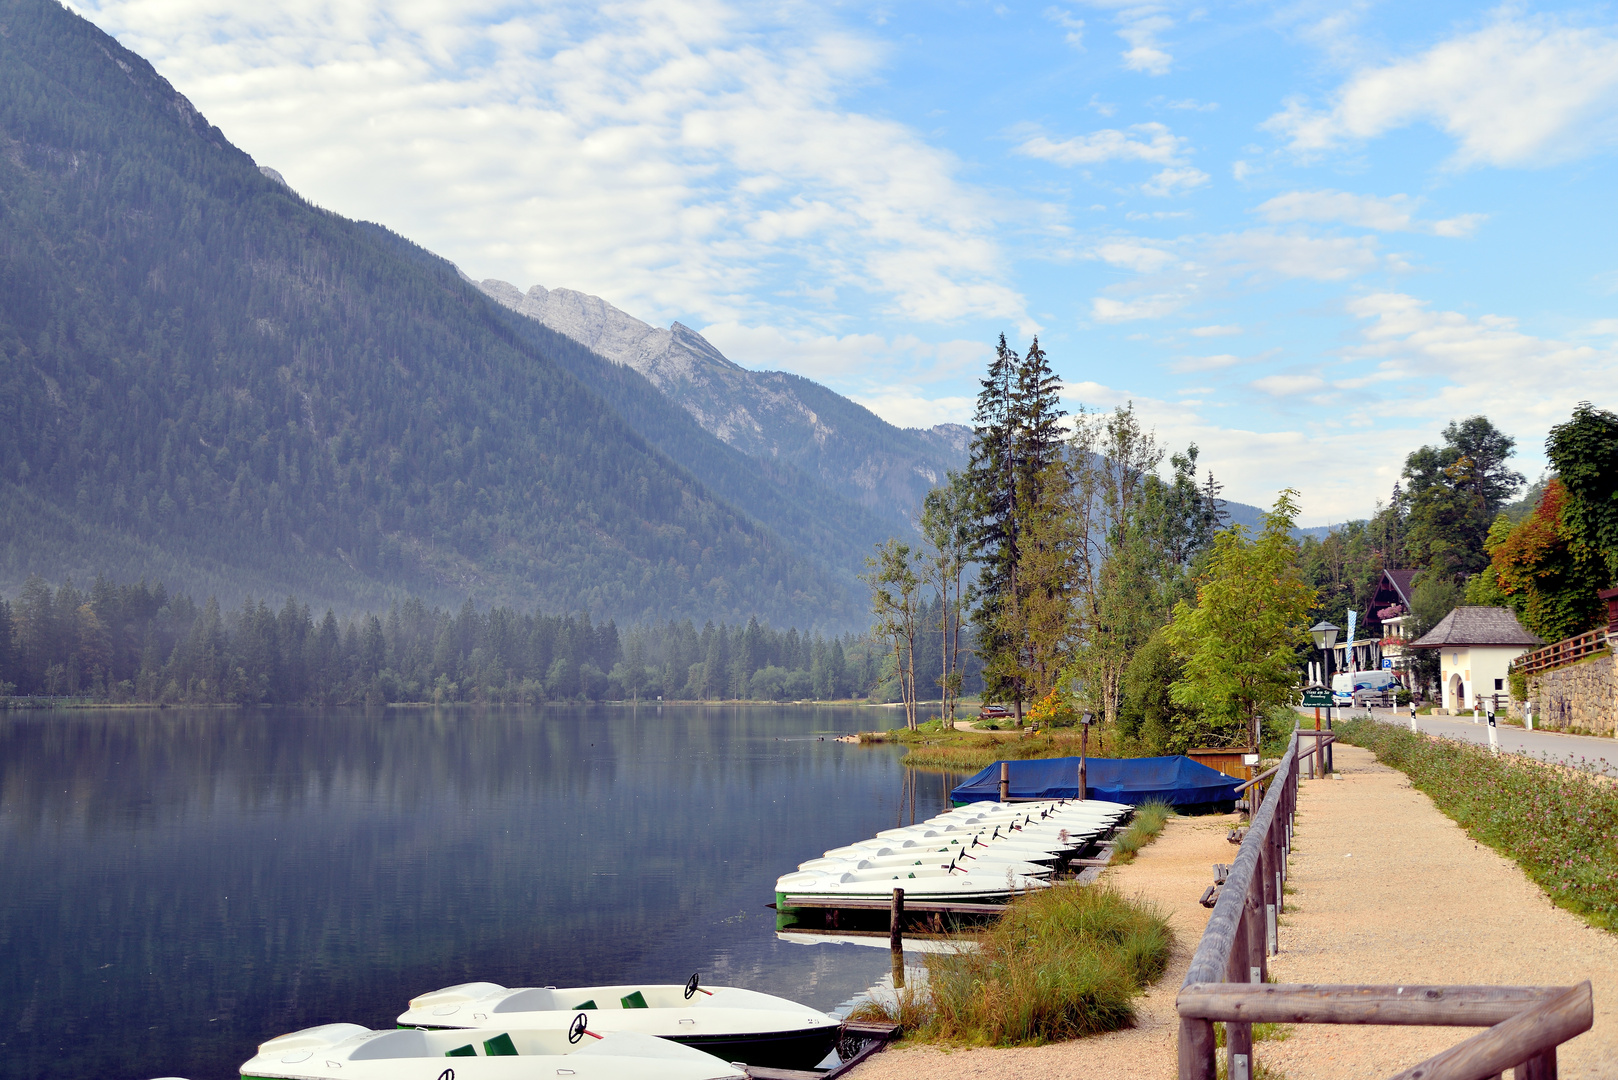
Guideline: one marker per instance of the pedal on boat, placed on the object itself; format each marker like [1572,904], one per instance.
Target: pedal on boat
[736,1024]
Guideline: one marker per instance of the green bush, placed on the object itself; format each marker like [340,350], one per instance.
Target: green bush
[1559,824]
[1062,963]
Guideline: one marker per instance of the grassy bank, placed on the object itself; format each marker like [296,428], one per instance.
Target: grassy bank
[1147,823]
[1560,825]
[1061,963]
[969,751]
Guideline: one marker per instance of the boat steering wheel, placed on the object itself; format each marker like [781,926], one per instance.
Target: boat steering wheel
[575,1030]
[691,986]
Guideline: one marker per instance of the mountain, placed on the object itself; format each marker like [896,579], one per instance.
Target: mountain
[770,415]
[206,379]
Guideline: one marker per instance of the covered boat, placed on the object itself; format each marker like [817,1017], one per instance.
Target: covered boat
[1175,780]
[351,1052]
[736,1024]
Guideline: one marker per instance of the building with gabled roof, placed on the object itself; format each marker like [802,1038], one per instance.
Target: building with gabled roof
[1476,645]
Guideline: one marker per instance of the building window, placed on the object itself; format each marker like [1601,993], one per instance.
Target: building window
[1499,684]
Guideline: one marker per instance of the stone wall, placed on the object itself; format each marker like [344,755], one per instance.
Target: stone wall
[1581,698]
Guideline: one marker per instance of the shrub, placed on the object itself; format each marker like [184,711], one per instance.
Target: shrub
[1062,963]
[1559,824]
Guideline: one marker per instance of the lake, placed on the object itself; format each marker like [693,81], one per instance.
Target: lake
[181,885]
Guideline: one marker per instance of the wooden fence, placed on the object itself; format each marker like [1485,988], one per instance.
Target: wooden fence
[1563,652]
[1226,983]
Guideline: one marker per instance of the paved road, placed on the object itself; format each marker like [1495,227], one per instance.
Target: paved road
[1569,749]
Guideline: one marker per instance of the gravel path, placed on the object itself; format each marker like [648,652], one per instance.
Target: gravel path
[1172,871]
[1388,890]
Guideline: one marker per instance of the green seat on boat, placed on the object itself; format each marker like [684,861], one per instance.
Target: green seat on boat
[636,1000]
[589,1004]
[461,1051]
[500,1046]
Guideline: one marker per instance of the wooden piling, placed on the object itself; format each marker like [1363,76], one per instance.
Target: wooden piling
[1005,781]
[896,940]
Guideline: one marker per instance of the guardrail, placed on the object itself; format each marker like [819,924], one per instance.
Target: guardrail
[1226,983]
[1563,652]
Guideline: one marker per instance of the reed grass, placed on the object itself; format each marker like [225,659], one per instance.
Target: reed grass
[1558,822]
[1061,963]
[1144,827]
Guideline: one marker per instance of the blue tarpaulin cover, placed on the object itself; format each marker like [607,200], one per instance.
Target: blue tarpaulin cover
[1176,780]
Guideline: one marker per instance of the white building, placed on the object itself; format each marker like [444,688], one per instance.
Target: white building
[1476,645]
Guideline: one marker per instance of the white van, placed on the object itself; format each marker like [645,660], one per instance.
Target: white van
[1346,684]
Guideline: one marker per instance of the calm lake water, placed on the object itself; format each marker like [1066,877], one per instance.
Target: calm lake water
[182,885]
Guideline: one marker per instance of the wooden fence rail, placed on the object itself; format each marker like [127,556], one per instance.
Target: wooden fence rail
[1563,652]
[1226,982]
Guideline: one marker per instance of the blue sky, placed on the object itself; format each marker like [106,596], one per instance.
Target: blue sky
[1304,236]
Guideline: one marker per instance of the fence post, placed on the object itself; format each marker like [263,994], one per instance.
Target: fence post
[1252,944]
[1238,1034]
[1197,1050]
[1266,886]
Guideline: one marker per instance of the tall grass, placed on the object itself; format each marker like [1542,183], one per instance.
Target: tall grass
[1062,963]
[1149,819]
[1559,824]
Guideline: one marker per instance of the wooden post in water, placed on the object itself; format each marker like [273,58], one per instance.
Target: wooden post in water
[1084,749]
[896,940]
[1005,781]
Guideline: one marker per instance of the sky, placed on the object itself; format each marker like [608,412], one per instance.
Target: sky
[1303,236]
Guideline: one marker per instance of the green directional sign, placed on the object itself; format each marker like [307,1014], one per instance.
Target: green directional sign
[1317,697]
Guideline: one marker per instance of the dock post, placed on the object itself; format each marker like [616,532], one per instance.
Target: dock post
[896,941]
[1005,781]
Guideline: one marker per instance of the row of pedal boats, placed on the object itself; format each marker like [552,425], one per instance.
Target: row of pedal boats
[978,853]
[485,1031]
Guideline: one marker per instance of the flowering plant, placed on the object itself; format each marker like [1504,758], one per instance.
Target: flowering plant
[1055,709]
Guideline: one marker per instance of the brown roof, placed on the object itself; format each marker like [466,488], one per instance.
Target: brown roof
[1476,626]
[1402,580]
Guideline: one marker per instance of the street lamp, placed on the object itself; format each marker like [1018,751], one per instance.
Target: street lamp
[1325,635]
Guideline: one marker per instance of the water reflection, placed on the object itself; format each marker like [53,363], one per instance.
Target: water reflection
[184,884]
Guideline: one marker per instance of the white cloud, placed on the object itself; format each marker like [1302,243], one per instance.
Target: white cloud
[1215,331]
[1174,182]
[1151,142]
[1073,26]
[1518,92]
[1481,364]
[1204,363]
[686,158]
[1140,31]
[1287,385]
[1268,253]
[1110,310]
[1134,255]
[1395,213]
[858,362]
[903,407]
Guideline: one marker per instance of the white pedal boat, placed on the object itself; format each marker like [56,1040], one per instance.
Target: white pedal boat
[351,1052]
[984,888]
[898,875]
[735,1024]
[920,849]
[920,860]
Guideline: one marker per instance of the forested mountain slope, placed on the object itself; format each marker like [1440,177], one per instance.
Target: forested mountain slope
[769,415]
[204,378]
